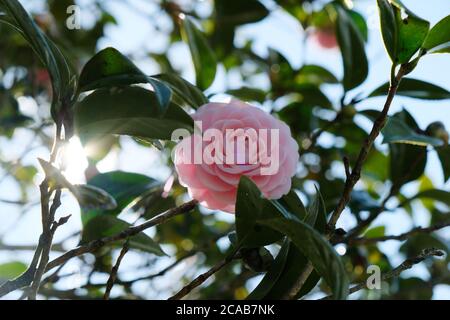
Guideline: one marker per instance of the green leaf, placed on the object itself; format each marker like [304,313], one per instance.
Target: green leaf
[107,225]
[12,270]
[109,68]
[317,249]
[124,187]
[202,55]
[296,260]
[352,50]
[316,208]
[360,23]
[388,27]
[236,12]
[414,88]
[396,131]
[90,197]
[248,94]
[439,36]
[183,90]
[272,275]
[375,232]
[412,32]
[314,74]
[128,111]
[292,203]
[62,75]
[407,162]
[433,194]
[444,157]
[251,207]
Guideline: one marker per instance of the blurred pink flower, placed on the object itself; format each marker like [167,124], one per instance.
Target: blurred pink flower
[213,181]
[326,38]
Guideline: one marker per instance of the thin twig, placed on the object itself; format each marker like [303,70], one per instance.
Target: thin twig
[115,269]
[356,172]
[400,237]
[407,264]
[129,232]
[204,276]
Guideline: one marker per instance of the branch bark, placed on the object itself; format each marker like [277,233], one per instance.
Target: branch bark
[400,237]
[129,232]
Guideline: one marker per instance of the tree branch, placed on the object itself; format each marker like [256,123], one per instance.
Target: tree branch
[400,237]
[129,232]
[407,264]
[204,276]
[356,171]
[115,269]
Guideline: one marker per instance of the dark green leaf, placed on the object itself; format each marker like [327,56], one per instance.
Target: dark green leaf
[444,157]
[272,275]
[352,50]
[202,55]
[251,207]
[388,27]
[317,249]
[107,225]
[360,23]
[396,131]
[128,111]
[407,162]
[248,94]
[313,74]
[183,90]
[124,187]
[414,88]
[61,73]
[110,68]
[439,36]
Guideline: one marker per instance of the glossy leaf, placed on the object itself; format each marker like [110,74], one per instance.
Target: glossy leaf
[438,38]
[396,131]
[251,207]
[62,75]
[124,187]
[412,31]
[107,225]
[317,249]
[414,88]
[352,50]
[110,68]
[129,111]
[183,90]
[388,26]
[202,55]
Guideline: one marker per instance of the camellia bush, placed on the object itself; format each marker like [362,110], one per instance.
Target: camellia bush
[257,182]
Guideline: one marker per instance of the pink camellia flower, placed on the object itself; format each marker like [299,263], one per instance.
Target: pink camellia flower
[236,139]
